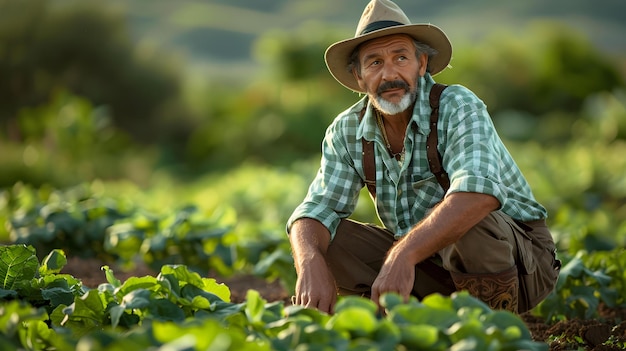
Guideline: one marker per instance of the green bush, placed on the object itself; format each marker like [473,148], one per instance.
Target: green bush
[180,309]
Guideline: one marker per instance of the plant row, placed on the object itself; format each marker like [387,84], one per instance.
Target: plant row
[83,224]
[178,310]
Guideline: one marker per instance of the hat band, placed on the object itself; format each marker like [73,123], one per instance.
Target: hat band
[379,25]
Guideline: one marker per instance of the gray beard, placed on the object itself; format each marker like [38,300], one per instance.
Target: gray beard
[391,108]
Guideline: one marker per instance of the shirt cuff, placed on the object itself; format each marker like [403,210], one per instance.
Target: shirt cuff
[329,218]
[477,184]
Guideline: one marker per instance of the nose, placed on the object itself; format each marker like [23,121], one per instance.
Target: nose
[389,72]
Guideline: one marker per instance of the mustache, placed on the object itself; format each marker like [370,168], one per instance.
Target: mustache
[394,84]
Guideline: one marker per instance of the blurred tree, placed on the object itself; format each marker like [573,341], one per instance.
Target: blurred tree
[83,47]
[535,84]
[549,68]
[69,141]
[571,70]
[282,114]
[538,80]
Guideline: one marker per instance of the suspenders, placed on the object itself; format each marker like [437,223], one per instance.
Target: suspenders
[433,155]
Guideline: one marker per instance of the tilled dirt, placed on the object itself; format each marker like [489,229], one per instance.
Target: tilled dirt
[604,333]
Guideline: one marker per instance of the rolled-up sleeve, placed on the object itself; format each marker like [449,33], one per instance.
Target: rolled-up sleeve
[334,192]
[472,159]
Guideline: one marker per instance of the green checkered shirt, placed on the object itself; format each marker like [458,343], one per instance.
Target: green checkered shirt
[473,155]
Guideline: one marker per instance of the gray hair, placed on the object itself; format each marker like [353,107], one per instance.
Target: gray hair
[420,48]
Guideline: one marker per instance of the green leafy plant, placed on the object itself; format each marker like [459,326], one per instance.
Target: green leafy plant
[586,281]
[85,224]
[24,278]
[186,237]
[74,219]
[180,309]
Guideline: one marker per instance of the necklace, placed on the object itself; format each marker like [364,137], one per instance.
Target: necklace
[399,155]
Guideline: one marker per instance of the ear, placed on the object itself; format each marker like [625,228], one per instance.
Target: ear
[423,60]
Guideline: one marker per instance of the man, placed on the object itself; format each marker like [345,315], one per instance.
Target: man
[485,234]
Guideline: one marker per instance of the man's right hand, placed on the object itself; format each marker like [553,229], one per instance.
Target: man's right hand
[315,287]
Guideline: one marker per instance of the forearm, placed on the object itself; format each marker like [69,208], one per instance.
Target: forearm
[456,215]
[309,240]
[315,286]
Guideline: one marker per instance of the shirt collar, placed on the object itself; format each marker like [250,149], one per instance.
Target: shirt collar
[421,111]
[368,127]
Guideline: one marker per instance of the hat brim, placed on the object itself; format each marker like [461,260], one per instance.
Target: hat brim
[338,54]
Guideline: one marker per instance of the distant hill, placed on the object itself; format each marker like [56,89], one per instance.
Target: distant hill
[223,31]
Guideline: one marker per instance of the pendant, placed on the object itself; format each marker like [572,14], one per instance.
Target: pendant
[401,160]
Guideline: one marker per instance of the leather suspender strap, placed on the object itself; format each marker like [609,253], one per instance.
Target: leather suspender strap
[433,155]
[369,162]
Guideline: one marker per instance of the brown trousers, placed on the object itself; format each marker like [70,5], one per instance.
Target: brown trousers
[497,243]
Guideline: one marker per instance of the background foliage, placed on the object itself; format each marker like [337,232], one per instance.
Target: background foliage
[186,132]
[259,92]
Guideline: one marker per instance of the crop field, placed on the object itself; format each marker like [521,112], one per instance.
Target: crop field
[178,255]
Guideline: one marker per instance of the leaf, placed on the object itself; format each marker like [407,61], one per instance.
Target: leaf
[387,334]
[124,239]
[309,314]
[438,301]
[602,278]
[255,306]
[116,312]
[182,274]
[356,320]
[315,337]
[466,329]
[505,319]
[221,290]
[16,312]
[165,310]
[136,299]
[421,314]
[135,283]
[108,273]
[18,265]
[37,334]
[144,300]
[390,300]
[203,335]
[469,344]
[573,269]
[348,302]
[7,294]
[53,262]
[222,311]
[197,298]
[61,221]
[464,299]
[85,314]
[58,295]
[265,264]
[419,336]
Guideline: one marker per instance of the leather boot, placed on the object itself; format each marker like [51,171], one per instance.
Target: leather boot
[498,290]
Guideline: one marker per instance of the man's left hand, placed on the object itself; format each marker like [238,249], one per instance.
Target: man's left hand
[397,275]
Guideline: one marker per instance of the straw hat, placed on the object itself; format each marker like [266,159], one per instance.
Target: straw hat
[381,18]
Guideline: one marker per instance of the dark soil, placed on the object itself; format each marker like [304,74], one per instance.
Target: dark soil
[598,334]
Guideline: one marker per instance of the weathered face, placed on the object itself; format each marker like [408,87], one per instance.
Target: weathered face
[389,72]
